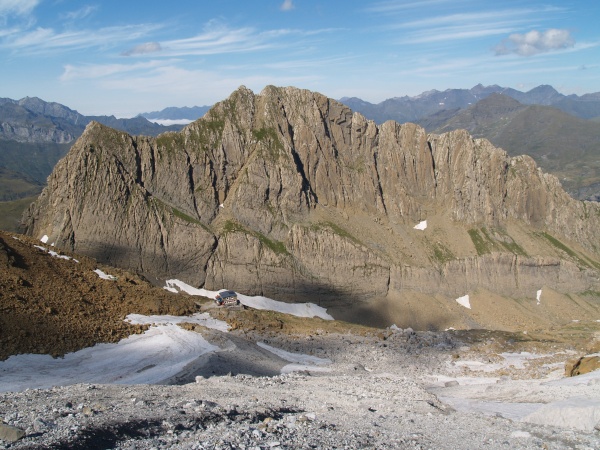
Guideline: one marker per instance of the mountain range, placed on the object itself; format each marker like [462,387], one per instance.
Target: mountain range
[291,195]
[411,109]
[177,113]
[34,135]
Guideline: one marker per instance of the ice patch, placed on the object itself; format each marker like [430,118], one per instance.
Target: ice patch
[257,302]
[464,301]
[421,225]
[105,276]
[44,239]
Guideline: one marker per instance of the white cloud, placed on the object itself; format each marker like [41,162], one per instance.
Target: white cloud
[44,40]
[287,5]
[142,49]
[80,13]
[92,71]
[217,39]
[394,6]
[17,7]
[535,42]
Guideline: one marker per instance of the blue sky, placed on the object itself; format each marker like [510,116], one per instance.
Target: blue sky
[128,56]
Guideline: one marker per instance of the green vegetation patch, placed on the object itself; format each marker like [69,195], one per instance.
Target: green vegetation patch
[582,261]
[268,136]
[486,241]
[591,293]
[505,241]
[276,247]
[184,216]
[337,230]
[442,253]
[481,244]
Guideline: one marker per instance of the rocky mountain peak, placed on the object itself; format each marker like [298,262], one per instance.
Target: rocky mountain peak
[291,194]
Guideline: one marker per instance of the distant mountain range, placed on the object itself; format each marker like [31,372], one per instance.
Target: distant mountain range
[412,109]
[34,135]
[175,113]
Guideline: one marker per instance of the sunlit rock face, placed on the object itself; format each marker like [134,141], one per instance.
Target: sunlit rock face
[292,195]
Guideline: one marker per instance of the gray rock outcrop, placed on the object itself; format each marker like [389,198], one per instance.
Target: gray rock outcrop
[290,194]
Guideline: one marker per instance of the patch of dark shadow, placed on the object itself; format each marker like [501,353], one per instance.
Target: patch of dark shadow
[11,256]
[306,186]
[109,435]
[149,366]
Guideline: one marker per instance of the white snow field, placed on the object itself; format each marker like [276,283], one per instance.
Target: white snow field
[149,358]
[257,302]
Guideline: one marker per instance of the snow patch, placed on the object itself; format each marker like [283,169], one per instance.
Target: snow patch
[464,301]
[299,361]
[539,296]
[421,225]
[44,239]
[150,358]
[203,319]
[105,276]
[55,254]
[257,302]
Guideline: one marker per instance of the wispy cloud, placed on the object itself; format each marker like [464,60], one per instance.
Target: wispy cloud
[535,42]
[176,83]
[80,13]
[142,49]
[462,26]
[395,6]
[287,5]
[44,40]
[217,38]
[458,32]
[17,7]
[94,71]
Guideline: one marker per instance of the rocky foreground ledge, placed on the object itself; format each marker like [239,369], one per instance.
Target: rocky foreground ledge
[386,390]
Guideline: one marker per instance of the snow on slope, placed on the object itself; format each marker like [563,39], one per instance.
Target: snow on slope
[149,358]
[298,361]
[572,402]
[203,319]
[257,302]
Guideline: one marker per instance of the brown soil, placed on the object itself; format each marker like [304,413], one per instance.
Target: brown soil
[50,305]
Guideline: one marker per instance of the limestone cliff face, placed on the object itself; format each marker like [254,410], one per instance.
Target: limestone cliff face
[289,193]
